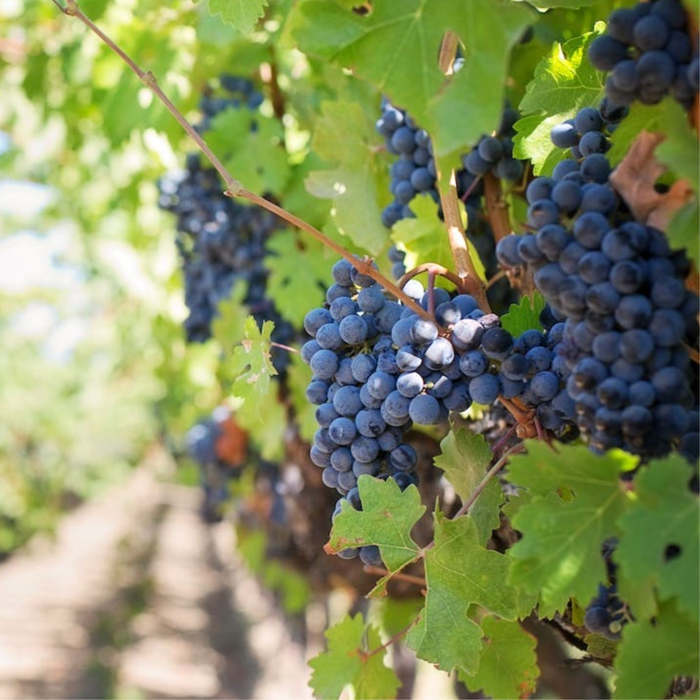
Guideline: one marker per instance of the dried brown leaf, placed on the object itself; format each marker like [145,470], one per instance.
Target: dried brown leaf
[635,177]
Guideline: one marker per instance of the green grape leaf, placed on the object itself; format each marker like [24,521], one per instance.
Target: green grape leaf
[267,433]
[568,4]
[395,614]
[564,82]
[524,315]
[347,663]
[249,366]
[651,653]
[296,198]
[678,151]
[228,327]
[508,666]
[386,519]
[683,230]
[292,287]
[345,138]
[532,141]
[660,533]
[424,238]
[465,457]
[564,79]
[298,377]
[251,146]
[460,572]
[600,647]
[241,14]
[368,46]
[576,500]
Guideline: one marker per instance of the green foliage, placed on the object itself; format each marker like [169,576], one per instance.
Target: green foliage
[659,540]
[93,133]
[524,315]
[291,586]
[678,151]
[683,228]
[563,83]
[395,614]
[347,663]
[369,46]
[575,505]
[298,378]
[460,573]
[249,366]
[569,4]
[294,292]
[508,666]
[249,144]
[653,652]
[241,14]
[386,519]
[464,458]
[229,326]
[345,138]
[422,239]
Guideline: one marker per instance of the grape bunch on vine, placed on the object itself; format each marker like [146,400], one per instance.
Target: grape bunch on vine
[446,253]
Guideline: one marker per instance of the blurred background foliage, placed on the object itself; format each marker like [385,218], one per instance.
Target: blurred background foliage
[94,367]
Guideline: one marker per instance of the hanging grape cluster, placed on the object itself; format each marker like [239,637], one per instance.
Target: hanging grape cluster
[379,368]
[220,241]
[620,290]
[649,52]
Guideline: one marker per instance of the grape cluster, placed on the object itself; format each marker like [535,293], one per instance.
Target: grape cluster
[649,52]
[220,243]
[408,176]
[214,473]
[379,367]
[606,613]
[494,154]
[220,448]
[237,92]
[619,289]
[414,170]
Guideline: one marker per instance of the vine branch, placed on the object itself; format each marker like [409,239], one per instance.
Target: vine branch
[233,187]
[448,51]
[495,208]
[459,245]
[364,655]
[434,269]
[379,571]
[500,463]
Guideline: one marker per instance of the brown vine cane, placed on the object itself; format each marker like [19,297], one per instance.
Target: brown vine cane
[234,188]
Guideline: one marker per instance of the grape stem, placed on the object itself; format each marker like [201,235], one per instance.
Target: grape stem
[460,246]
[431,293]
[276,95]
[496,210]
[379,571]
[283,347]
[500,463]
[499,275]
[233,187]
[497,466]
[364,655]
[434,269]
[692,353]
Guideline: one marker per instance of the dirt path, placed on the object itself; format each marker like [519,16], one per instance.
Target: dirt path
[136,597]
